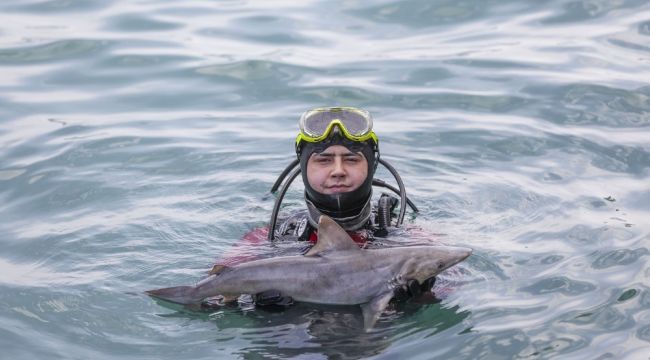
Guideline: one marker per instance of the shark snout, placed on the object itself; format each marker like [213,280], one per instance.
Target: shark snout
[459,254]
[464,253]
[448,256]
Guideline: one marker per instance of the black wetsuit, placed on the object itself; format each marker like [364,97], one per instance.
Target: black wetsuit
[298,227]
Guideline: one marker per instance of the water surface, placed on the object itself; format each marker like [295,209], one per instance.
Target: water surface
[140,139]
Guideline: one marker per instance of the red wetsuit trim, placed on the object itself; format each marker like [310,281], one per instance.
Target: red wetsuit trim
[360,237]
[246,248]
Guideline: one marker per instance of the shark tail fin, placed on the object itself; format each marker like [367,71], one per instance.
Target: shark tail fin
[177,294]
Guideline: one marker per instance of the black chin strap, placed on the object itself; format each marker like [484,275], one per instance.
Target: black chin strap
[291,172]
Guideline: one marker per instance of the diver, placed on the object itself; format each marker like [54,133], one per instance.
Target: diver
[337,154]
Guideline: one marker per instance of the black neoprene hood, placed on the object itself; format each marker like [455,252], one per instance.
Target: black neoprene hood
[341,205]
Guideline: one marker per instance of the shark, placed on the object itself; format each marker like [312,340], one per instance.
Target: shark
[335,271]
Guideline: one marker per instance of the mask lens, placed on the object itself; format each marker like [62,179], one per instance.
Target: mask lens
[317,122]
[356,123]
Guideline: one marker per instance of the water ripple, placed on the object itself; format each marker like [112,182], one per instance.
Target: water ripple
[576,11]
[559,284]
[428,13]
[619,257]
[61,6]
[138,22]
[586,104]
[52,52]
[140,139]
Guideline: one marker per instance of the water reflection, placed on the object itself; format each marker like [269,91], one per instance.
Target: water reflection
[321,330]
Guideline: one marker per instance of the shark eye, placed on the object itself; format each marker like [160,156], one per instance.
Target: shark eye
[441,265]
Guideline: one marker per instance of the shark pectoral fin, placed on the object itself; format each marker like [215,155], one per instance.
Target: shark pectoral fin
[371,310]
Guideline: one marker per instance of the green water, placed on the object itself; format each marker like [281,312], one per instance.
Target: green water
[140,138]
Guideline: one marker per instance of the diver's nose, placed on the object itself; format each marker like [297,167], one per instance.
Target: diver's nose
[338,169]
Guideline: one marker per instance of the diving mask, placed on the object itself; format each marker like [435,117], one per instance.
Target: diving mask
[353,123]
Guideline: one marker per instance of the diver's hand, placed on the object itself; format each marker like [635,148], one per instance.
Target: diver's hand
[272,297]
[413,288]
[427,284]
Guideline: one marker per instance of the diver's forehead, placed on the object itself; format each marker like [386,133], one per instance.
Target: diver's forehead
[337,150]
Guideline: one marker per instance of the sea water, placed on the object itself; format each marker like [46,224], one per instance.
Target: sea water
[139,141]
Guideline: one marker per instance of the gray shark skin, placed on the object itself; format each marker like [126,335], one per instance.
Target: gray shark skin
[335,271]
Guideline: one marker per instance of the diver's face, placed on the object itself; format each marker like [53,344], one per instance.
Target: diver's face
[336,170]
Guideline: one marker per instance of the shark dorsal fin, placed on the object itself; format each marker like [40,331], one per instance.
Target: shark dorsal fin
[331,237]
[218,269]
